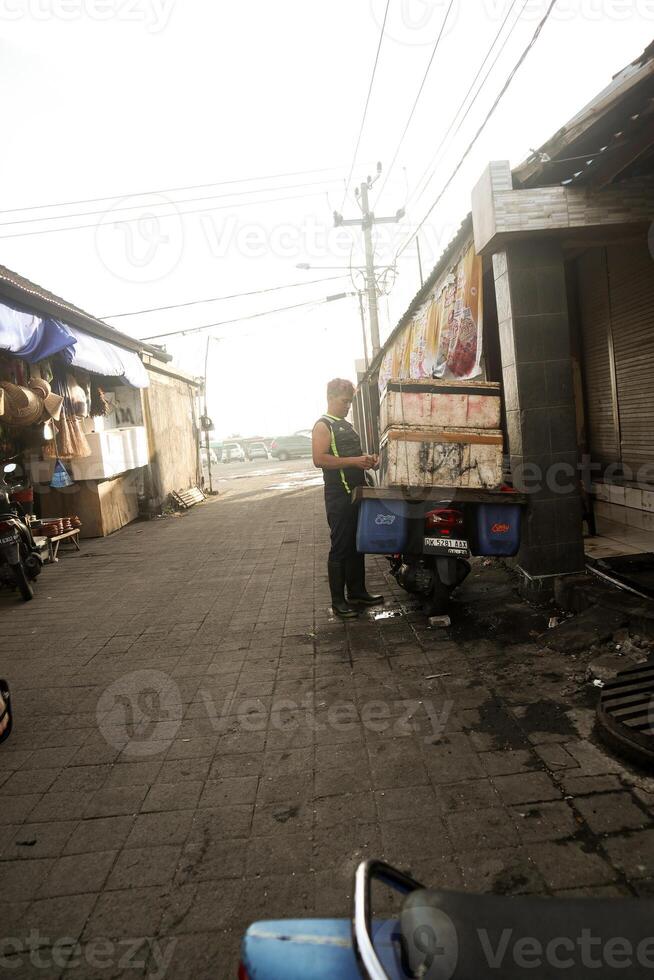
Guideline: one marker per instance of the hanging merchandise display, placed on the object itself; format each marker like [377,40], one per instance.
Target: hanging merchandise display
[77,395]
[70,441]
[99,407]
[22,406]
[61,477]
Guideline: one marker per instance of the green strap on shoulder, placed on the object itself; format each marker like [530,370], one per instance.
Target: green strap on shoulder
[335,450]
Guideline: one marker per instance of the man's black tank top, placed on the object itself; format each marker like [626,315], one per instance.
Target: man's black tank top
[344,442]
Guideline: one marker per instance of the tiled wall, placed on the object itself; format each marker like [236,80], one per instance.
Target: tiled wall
[629,506]
[499,211]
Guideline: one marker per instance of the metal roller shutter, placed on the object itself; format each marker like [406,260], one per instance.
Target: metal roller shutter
[601,410]
[631,292]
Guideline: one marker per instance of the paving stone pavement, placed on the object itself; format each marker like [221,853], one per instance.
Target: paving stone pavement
[199,744]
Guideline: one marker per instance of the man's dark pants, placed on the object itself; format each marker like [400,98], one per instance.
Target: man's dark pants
[342,519]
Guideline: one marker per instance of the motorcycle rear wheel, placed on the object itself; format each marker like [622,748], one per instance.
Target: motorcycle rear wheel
[24,587]
[437,603]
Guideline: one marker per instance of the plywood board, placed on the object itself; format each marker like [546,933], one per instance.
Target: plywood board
[425,404]
[463,459]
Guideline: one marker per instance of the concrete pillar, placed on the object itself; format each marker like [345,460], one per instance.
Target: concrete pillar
[538,393]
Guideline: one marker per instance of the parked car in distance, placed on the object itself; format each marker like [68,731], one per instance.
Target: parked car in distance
[290,447]
[256,450]
[233,452]
[209,457]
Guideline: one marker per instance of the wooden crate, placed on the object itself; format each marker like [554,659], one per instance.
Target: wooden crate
[462,457]
[443,404]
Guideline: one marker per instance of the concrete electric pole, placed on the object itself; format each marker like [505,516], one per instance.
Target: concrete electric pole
[366,223]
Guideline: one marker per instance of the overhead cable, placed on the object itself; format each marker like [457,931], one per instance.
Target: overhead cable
[241,319]
[420,190]
[171,214]
[161,204]
[172,190]
[365,108]
[415,101]
[217,299]
[482,126]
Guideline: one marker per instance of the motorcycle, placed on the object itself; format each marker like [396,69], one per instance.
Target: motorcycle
[435,561]
[20,560]
[448,935]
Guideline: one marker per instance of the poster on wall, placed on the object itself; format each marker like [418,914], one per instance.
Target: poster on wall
[444,337]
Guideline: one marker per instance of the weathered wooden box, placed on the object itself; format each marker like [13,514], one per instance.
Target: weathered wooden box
[453,457]
[424,403]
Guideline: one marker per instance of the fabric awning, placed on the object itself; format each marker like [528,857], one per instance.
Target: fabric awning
[33,337]
[101,357]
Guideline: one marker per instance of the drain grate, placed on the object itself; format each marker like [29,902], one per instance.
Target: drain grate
[626,712]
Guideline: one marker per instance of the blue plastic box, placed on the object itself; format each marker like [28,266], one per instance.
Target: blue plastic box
[383,526]
[498,529]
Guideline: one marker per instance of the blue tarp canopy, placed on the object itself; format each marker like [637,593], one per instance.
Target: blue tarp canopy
[34,338]
[101,357]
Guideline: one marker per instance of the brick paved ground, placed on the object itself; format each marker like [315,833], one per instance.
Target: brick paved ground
[199,745]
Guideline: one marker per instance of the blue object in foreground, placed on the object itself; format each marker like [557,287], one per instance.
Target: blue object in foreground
[382,526]
[296,949]
[498,529]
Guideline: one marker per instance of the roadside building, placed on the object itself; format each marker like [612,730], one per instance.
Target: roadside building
[550,286]
[124,430]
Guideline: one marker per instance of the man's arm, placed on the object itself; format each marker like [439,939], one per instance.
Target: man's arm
[323,459]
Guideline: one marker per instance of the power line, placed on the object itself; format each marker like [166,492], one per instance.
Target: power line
[483,125]
[415,101]
[365,108]
[172,214]
[420,190]
[251,316]
[161,204]
[216,299]
[173,190]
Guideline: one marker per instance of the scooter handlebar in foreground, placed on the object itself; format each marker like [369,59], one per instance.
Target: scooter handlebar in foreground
[364,948]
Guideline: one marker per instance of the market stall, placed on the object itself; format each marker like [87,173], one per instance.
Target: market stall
[71,415]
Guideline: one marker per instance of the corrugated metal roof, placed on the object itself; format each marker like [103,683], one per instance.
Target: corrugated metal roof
[609,139]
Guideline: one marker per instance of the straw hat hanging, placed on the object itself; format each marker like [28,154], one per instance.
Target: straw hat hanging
[26,406]
[51,403]
[23,406]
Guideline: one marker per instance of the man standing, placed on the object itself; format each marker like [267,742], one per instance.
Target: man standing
[337,452]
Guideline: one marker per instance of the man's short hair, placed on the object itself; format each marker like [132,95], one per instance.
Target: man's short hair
[339,386]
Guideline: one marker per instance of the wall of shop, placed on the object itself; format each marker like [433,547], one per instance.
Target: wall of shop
[103,506]
[170,417]
[616,299]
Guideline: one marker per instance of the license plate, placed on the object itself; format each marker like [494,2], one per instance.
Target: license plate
[446,546]
[8,540]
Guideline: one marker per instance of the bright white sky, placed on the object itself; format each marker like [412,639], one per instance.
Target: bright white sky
[109,98]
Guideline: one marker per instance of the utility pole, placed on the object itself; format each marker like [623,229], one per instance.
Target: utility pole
[363,330]
[366,223]
[205,417]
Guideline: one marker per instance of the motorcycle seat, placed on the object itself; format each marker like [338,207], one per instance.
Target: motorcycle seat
[447,934]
